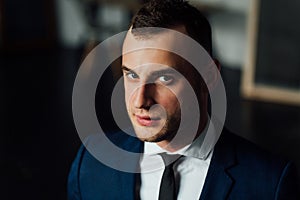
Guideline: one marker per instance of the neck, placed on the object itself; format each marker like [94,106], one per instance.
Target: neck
[173,146]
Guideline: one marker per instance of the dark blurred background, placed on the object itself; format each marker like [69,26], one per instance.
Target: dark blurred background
[43,43]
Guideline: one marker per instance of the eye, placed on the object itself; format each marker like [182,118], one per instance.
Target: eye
[165,79]
[131,75]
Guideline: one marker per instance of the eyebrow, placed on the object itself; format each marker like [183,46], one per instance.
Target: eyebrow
[155,73]
[164,71]
[124,68]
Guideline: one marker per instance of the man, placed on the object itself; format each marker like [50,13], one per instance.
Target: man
[157,84]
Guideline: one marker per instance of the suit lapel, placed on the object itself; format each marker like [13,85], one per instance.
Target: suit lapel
[219,181]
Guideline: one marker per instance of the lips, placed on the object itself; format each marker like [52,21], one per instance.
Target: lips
[146,120]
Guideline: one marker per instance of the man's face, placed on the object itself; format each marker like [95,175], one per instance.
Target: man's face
[155,84]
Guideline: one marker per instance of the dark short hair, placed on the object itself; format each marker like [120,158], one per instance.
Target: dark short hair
[171,13]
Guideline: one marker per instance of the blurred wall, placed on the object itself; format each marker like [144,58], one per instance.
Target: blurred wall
[80,22]
[228,19]
[71,23]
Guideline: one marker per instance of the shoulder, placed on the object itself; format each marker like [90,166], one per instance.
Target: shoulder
[89,174]
[249,156]
[98,147]
[255,170]
[246,151]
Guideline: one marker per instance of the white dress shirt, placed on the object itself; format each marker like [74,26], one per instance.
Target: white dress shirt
[190,170]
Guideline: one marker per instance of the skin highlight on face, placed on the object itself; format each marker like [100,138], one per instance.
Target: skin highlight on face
[152,106]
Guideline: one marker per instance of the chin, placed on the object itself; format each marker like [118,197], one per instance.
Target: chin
[161,135]
[156,134]
[149,137]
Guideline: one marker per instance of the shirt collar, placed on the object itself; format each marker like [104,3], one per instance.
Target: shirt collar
[200,148]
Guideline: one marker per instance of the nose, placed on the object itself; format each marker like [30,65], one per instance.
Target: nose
[144,96]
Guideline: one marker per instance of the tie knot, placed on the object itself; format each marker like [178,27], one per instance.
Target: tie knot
[170,159]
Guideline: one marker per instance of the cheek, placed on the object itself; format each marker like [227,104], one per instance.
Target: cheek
[169,101]
[172,95]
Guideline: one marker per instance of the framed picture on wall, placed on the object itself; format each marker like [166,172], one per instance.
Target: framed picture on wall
[272,71]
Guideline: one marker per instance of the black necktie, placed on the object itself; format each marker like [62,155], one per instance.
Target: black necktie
[167,189]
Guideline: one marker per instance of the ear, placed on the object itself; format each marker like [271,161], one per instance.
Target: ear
[212,75]
[217,63]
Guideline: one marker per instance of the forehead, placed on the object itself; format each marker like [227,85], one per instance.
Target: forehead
[140,54]
[145,57]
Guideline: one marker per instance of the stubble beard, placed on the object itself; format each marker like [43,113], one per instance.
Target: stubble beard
[167,132]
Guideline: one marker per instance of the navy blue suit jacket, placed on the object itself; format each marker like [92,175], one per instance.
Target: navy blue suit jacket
[238,170]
